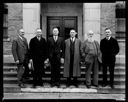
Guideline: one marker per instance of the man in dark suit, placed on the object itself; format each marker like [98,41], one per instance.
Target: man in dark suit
[55,54]
[72,58]
[38,54]
[20,52]
[109,48]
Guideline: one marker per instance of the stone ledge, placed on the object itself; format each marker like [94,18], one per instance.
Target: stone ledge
[60,90]
[63,96]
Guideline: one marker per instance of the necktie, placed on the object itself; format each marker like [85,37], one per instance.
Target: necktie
[38,38]
[72,40]
[55,38]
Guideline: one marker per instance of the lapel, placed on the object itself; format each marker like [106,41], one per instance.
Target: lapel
[68,41]
[21,42]
[75,42]
[97,47]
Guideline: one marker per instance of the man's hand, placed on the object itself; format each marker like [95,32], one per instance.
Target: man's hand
[62,60]
[46,61]
[30,60]
[17,62]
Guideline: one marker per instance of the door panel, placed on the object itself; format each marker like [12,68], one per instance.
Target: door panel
[64,24]
[69,23]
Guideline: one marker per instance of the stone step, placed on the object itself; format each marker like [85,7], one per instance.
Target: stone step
[14,64]
[81,88]
[9,58]
[8,68]
[67,96]
[47,74]
[13,80]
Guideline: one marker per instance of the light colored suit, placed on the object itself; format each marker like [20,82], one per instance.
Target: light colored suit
[92,54]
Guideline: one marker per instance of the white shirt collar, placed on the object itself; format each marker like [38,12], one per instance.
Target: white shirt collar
[72,38]
[108,38]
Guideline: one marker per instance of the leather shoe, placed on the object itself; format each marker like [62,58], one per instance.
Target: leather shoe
[22,85]
[88,86]
[104,85]
[112,86]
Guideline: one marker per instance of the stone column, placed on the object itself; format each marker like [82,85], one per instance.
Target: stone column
[31,19]
[91,19]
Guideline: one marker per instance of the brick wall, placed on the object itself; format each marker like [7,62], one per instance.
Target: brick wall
[15,22]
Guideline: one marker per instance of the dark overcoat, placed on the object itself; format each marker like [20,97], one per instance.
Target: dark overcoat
[76,63]
[38,49]
[109,49]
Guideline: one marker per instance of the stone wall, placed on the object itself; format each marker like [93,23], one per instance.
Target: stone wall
[15,22]
[107,18]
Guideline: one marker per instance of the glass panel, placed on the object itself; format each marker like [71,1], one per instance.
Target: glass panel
[68,25]
[120,24]
[53,23]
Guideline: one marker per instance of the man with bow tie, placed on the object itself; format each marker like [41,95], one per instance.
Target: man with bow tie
[55,56]
[72,58]
[109,48]
[38,54]
[20,54]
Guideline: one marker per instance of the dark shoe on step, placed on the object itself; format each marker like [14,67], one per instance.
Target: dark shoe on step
[88,86]
[21,85]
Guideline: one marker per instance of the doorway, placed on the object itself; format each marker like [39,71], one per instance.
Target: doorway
[63,23]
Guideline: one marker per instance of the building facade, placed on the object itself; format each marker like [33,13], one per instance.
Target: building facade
[80,16]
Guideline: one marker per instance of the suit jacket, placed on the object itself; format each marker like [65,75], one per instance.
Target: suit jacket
[55,48]
[38,49]
[87,54]
[109,49]
[76,63]
[19,49]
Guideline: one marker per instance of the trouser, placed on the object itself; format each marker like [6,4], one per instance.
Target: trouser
[38,72]
[111,71]
[93,66]
[20,73]
[26,72]
[71,82]
[55,70]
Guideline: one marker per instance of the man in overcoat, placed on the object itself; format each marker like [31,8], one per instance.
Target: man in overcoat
[38,54]
[72,58]
[92,54]
[20,54]
[55,56]
[109,48]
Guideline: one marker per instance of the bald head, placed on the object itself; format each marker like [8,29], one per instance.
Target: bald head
[21,32]
[38,32]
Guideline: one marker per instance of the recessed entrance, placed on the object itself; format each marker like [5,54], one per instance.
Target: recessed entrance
[63,23]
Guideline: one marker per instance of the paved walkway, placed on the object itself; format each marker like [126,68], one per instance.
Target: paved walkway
[62,96]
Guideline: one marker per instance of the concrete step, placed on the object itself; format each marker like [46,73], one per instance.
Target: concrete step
[11,68]
[67,96]
[16,88]
[13,80]
[47,74]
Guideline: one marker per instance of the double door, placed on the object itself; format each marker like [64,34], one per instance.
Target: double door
[63,23]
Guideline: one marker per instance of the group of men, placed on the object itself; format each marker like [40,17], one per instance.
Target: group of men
[69,52]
